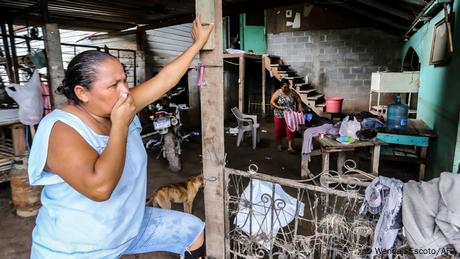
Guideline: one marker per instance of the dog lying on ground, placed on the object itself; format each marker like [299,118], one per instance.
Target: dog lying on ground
[183,192]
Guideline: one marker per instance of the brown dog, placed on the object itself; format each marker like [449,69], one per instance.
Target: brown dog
[183,192]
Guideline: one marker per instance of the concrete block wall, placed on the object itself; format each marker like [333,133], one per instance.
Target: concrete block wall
[340,62]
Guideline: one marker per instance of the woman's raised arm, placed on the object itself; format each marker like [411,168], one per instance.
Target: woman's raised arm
[151,90]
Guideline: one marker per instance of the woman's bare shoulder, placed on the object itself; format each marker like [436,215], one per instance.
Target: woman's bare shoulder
[277,92]
[66,148]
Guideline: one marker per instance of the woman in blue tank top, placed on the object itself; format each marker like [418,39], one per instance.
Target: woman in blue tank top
[90,158]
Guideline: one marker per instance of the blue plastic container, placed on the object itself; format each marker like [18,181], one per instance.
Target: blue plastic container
[398,114]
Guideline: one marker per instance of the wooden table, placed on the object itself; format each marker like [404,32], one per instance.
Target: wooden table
[9,149]
[330,145]
[417,134]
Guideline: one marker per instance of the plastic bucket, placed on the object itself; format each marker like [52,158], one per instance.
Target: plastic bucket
[334,104]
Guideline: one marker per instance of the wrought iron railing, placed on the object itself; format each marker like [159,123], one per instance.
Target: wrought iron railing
[272,217]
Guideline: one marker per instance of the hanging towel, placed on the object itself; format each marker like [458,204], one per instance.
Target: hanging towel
[384,195]
[293,119]
[308,135]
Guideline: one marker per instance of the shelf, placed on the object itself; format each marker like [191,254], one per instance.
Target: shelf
[395,82]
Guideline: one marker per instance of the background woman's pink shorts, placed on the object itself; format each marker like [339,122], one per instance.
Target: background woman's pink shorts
[281,129]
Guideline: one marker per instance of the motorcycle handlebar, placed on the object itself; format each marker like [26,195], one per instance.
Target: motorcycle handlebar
[175,93]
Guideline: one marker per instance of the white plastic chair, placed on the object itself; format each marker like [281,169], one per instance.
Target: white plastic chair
[246,123]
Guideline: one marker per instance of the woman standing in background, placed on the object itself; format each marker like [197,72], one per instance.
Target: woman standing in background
[284,98]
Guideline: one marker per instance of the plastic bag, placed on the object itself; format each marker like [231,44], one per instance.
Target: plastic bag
[349,127]
[29,99]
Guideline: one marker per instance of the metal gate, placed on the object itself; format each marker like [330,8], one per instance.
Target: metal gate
[323,220]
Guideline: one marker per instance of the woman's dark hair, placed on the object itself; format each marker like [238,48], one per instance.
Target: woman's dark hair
[81,71]
[284,82]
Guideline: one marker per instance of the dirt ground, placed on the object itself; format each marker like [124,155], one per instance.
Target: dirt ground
[15,240]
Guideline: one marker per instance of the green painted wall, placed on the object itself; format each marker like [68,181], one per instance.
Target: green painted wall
[252,37]
[439,94]
[456,166]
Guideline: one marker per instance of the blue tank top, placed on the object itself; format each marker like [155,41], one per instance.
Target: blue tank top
[70,222]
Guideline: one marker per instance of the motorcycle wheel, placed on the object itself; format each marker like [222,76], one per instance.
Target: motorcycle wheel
[171,154]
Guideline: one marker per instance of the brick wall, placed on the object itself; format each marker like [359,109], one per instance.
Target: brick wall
[339,62]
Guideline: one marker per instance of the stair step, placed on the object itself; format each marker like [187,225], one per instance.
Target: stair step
[320,105]
[279,65]
[274,57]
[315,97]
[293,77]
[307,91]
[301,84]
[287,71]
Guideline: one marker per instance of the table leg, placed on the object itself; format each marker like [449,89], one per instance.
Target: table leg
[326,161]
[304,170]
[340,162]
[421,173]
[375,160]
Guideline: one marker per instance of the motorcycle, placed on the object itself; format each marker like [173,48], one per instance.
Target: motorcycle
[168,134]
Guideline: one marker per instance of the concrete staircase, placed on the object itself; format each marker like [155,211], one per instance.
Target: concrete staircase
[309,95]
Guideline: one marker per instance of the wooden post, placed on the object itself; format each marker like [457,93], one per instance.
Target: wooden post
[241,84]
[19,141]
[264,74]
[52,41]
[212,126]
[6,48]
[13,51]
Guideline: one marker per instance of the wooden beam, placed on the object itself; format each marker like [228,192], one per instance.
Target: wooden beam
[52,41]
[264,85]
[415,2]
[13,52]
[19,139]
[73,23]
[9,62]
[207,12]
[212,126]
[237,7]
[241,83]
[372,16]
[387,9]
[141,29]
[187,18]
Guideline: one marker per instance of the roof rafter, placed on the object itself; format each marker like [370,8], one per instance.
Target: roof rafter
[387,9]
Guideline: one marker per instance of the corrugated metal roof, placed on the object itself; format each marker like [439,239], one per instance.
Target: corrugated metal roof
[113,15]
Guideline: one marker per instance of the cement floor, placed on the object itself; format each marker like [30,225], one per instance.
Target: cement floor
[15,237]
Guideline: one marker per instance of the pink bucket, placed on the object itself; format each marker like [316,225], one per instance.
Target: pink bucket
[334,104]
